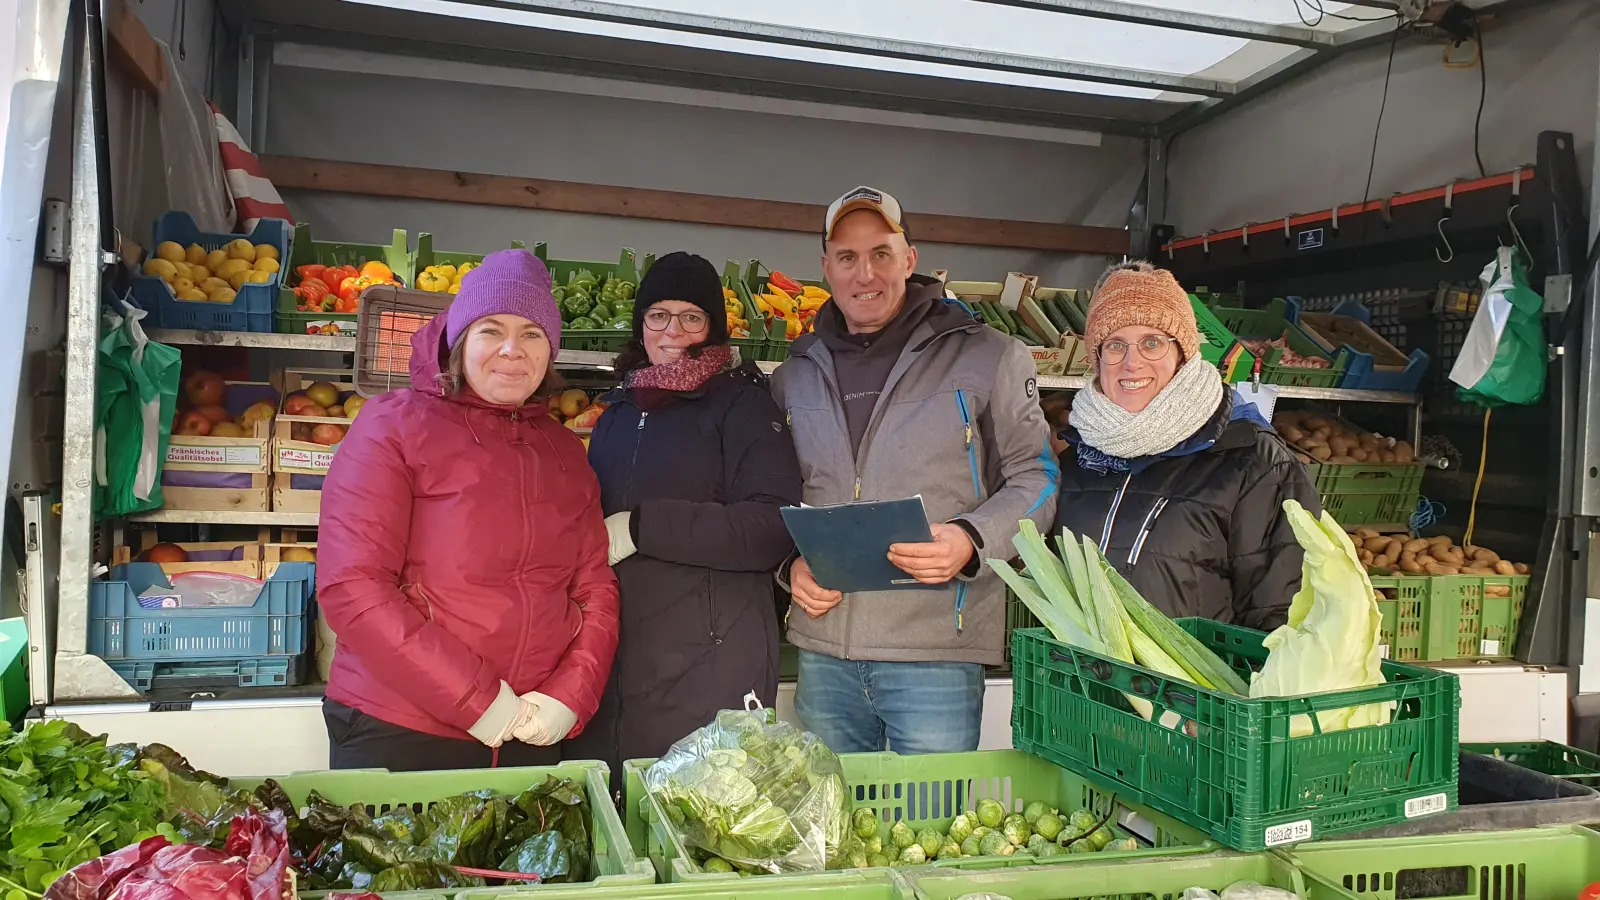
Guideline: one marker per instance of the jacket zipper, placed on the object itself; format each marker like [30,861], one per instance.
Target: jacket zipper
[1144,531]
[972,453]
[633,461]
[527,545]
[1111,517]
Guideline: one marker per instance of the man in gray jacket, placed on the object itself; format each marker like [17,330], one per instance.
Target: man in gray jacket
[899,393]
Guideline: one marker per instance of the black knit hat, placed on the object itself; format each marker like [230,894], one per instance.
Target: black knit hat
[689,278]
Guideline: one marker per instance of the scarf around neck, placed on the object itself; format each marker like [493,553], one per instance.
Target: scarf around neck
[1182,408]
[686,374]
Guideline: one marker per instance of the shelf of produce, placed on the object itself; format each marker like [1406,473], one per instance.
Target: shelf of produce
[224,517]
[264,341]
[1330,395]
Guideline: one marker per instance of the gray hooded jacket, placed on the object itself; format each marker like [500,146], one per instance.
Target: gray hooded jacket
[959,423]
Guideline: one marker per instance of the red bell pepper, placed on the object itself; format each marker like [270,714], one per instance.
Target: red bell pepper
[785,283]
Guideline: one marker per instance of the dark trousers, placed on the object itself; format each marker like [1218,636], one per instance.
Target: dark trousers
[359,741]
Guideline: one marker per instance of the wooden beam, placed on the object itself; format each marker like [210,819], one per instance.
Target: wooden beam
[133,50]
[671,206]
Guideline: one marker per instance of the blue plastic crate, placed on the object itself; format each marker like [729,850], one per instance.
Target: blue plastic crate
[277,624]
[270,671]
[1361,372]
[251,310]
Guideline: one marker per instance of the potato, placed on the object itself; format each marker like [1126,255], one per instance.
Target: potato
[1386,456]
[1304,459]
[1416,545]
[1361,455]
[1452,557]
[1364,532]
[1381,561]
[1365,556]
[1442,541]
[1501,567]
[1324,432]
[1375,543]
[1440,569]
[1343,460]
[1315,422]
[1403,452]
[1483,555]
[1320,453]
[1409,564]
[1341,443]
[1497,590]
[1395,548]
[1521,568]
[1371,441]
[1292,434]
[1475,570]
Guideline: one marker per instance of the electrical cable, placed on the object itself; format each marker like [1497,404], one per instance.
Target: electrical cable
[1483,94]
[1317,7]
[1483,459]
[1377,132]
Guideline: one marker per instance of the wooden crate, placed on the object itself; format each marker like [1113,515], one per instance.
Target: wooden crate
[226,456]
[291,453]
[272,551]
[250,566]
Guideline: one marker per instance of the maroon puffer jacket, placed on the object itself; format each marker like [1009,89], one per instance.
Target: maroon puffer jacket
[461,544]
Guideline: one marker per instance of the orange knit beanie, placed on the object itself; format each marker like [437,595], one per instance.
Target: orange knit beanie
[1137,293]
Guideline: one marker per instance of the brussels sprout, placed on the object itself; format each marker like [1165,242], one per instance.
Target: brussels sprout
[961,828]
[914,855]
[876,860]
[1048,850]
[717,864]
[1120,846]
[1035,842]
[949,851]
[902,835]
[865,823]
[1081,847]
[995,844]
[981,830]
[1033,811]
[972,846]
[1082,821]
[1016,830]
[931,840]
[874,845]
[1049,826]
[1101,837]
[991,813]
[857,860]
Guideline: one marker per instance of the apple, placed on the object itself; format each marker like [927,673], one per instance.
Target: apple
[323,393]
[257,412]
[298,554]
[165,553]
[353,404]
[295,402]
[227,429]
[215,413]
[336,411]
[314,411]
[572,402]
[300,431]
[204,388]
[588,417]
[327,434]
[194,423]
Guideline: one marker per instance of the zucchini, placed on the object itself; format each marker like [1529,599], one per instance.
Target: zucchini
[1054,314]
[991,314]
[1075,316]
[1012,322]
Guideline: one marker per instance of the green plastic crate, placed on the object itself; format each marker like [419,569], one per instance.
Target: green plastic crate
[927,791]
[752,348]
[425,256]
[379,790]
[1370,493]
[1428,618]
[862,885]
[14,696]
[304,251]
[1241,776]
[1017,616]
[1164,879]
[1549,757]
[1219,346]
[595,340]
[1553,863]
[1270,324]
[755,282]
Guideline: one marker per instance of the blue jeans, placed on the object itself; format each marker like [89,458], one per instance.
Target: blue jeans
[918,707]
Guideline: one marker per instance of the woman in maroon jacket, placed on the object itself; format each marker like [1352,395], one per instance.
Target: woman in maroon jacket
[462,551]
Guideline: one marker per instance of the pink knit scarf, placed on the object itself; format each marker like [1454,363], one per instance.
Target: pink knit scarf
[686,374]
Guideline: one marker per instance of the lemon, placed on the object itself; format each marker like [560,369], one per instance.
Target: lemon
[255,276]
[241,249]
[161,268]
[239,279]
[267,264]
[195,254]
[215,259]
[170,251]
[198,273]
[266,251]
[181,284]
[231,268]
[191,294]
[222,294]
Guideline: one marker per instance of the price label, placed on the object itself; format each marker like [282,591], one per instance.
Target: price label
[293,457]
[244,456]
[1489,648]
[1383,651]
[214,456]
[1427,806]
[1290,833]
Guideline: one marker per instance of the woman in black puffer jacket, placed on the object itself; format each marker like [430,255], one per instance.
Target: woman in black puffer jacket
[1179,480]
[695,461]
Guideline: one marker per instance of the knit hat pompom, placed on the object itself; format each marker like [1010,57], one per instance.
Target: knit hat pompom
[1138,293]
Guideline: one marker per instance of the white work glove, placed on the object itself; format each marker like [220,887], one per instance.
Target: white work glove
[551,722]
[617,525]
[507,714]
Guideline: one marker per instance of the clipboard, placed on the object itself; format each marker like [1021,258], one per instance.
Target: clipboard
[847,545]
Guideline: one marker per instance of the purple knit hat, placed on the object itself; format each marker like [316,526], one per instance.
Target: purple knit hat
[510,282]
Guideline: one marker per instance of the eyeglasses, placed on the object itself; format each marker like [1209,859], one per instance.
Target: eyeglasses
[1152,347]
[691,321]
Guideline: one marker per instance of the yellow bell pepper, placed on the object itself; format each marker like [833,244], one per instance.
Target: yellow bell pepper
[455,288]
[433,280]
[447,270]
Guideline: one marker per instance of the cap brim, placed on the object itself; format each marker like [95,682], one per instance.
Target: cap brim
[854,205]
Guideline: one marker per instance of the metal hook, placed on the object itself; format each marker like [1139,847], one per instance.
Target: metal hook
[1511,211]
[1449,203]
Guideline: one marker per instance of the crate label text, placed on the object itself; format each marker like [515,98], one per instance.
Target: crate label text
[214,456]
[305,459]
[1427,806]
[1290,832]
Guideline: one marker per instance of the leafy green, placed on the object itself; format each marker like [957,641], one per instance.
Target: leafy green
[420,876]
[548,854]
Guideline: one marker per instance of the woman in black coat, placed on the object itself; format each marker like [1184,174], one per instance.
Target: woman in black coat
[1179,481]
[695,461]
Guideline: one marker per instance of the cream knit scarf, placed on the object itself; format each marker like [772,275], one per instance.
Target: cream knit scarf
[1188,401]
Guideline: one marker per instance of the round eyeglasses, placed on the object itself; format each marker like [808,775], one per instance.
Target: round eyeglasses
[1153,347]
[691,321]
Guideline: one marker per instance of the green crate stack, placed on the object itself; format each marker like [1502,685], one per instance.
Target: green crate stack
[601,340]
[1551,863]
[861,885]
[304,251]
[615,863]
[755,281]
[1127,880]
[926,791]
[1220,347]
[1444,617]
[1549,757]
[754,347]
[1243,776]
[14,696]
[1273,323]
[1017,616]
[1370,493]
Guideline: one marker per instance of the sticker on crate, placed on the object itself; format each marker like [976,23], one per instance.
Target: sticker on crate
[1427,806]
[1287,833]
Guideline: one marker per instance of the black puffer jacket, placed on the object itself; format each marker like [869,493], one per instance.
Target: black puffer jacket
[705,475]
[1200,529]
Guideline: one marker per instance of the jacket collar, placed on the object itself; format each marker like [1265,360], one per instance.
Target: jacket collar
[946,316]
[1234,425]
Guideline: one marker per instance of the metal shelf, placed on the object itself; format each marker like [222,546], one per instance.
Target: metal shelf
[224,517]
[323,342]
[1333,395]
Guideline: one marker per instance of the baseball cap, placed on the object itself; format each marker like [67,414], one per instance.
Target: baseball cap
[865,197]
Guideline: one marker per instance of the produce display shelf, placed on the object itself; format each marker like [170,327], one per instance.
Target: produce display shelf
[1126,879]
[251,339]
[379,791]
[1236,767]
[927,791]
[223,517]
[1554,863]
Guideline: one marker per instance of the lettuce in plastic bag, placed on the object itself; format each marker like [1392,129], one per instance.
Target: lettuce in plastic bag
[765,796]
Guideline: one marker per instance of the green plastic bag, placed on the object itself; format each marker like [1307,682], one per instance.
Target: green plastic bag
[136,394]
[1504,359]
